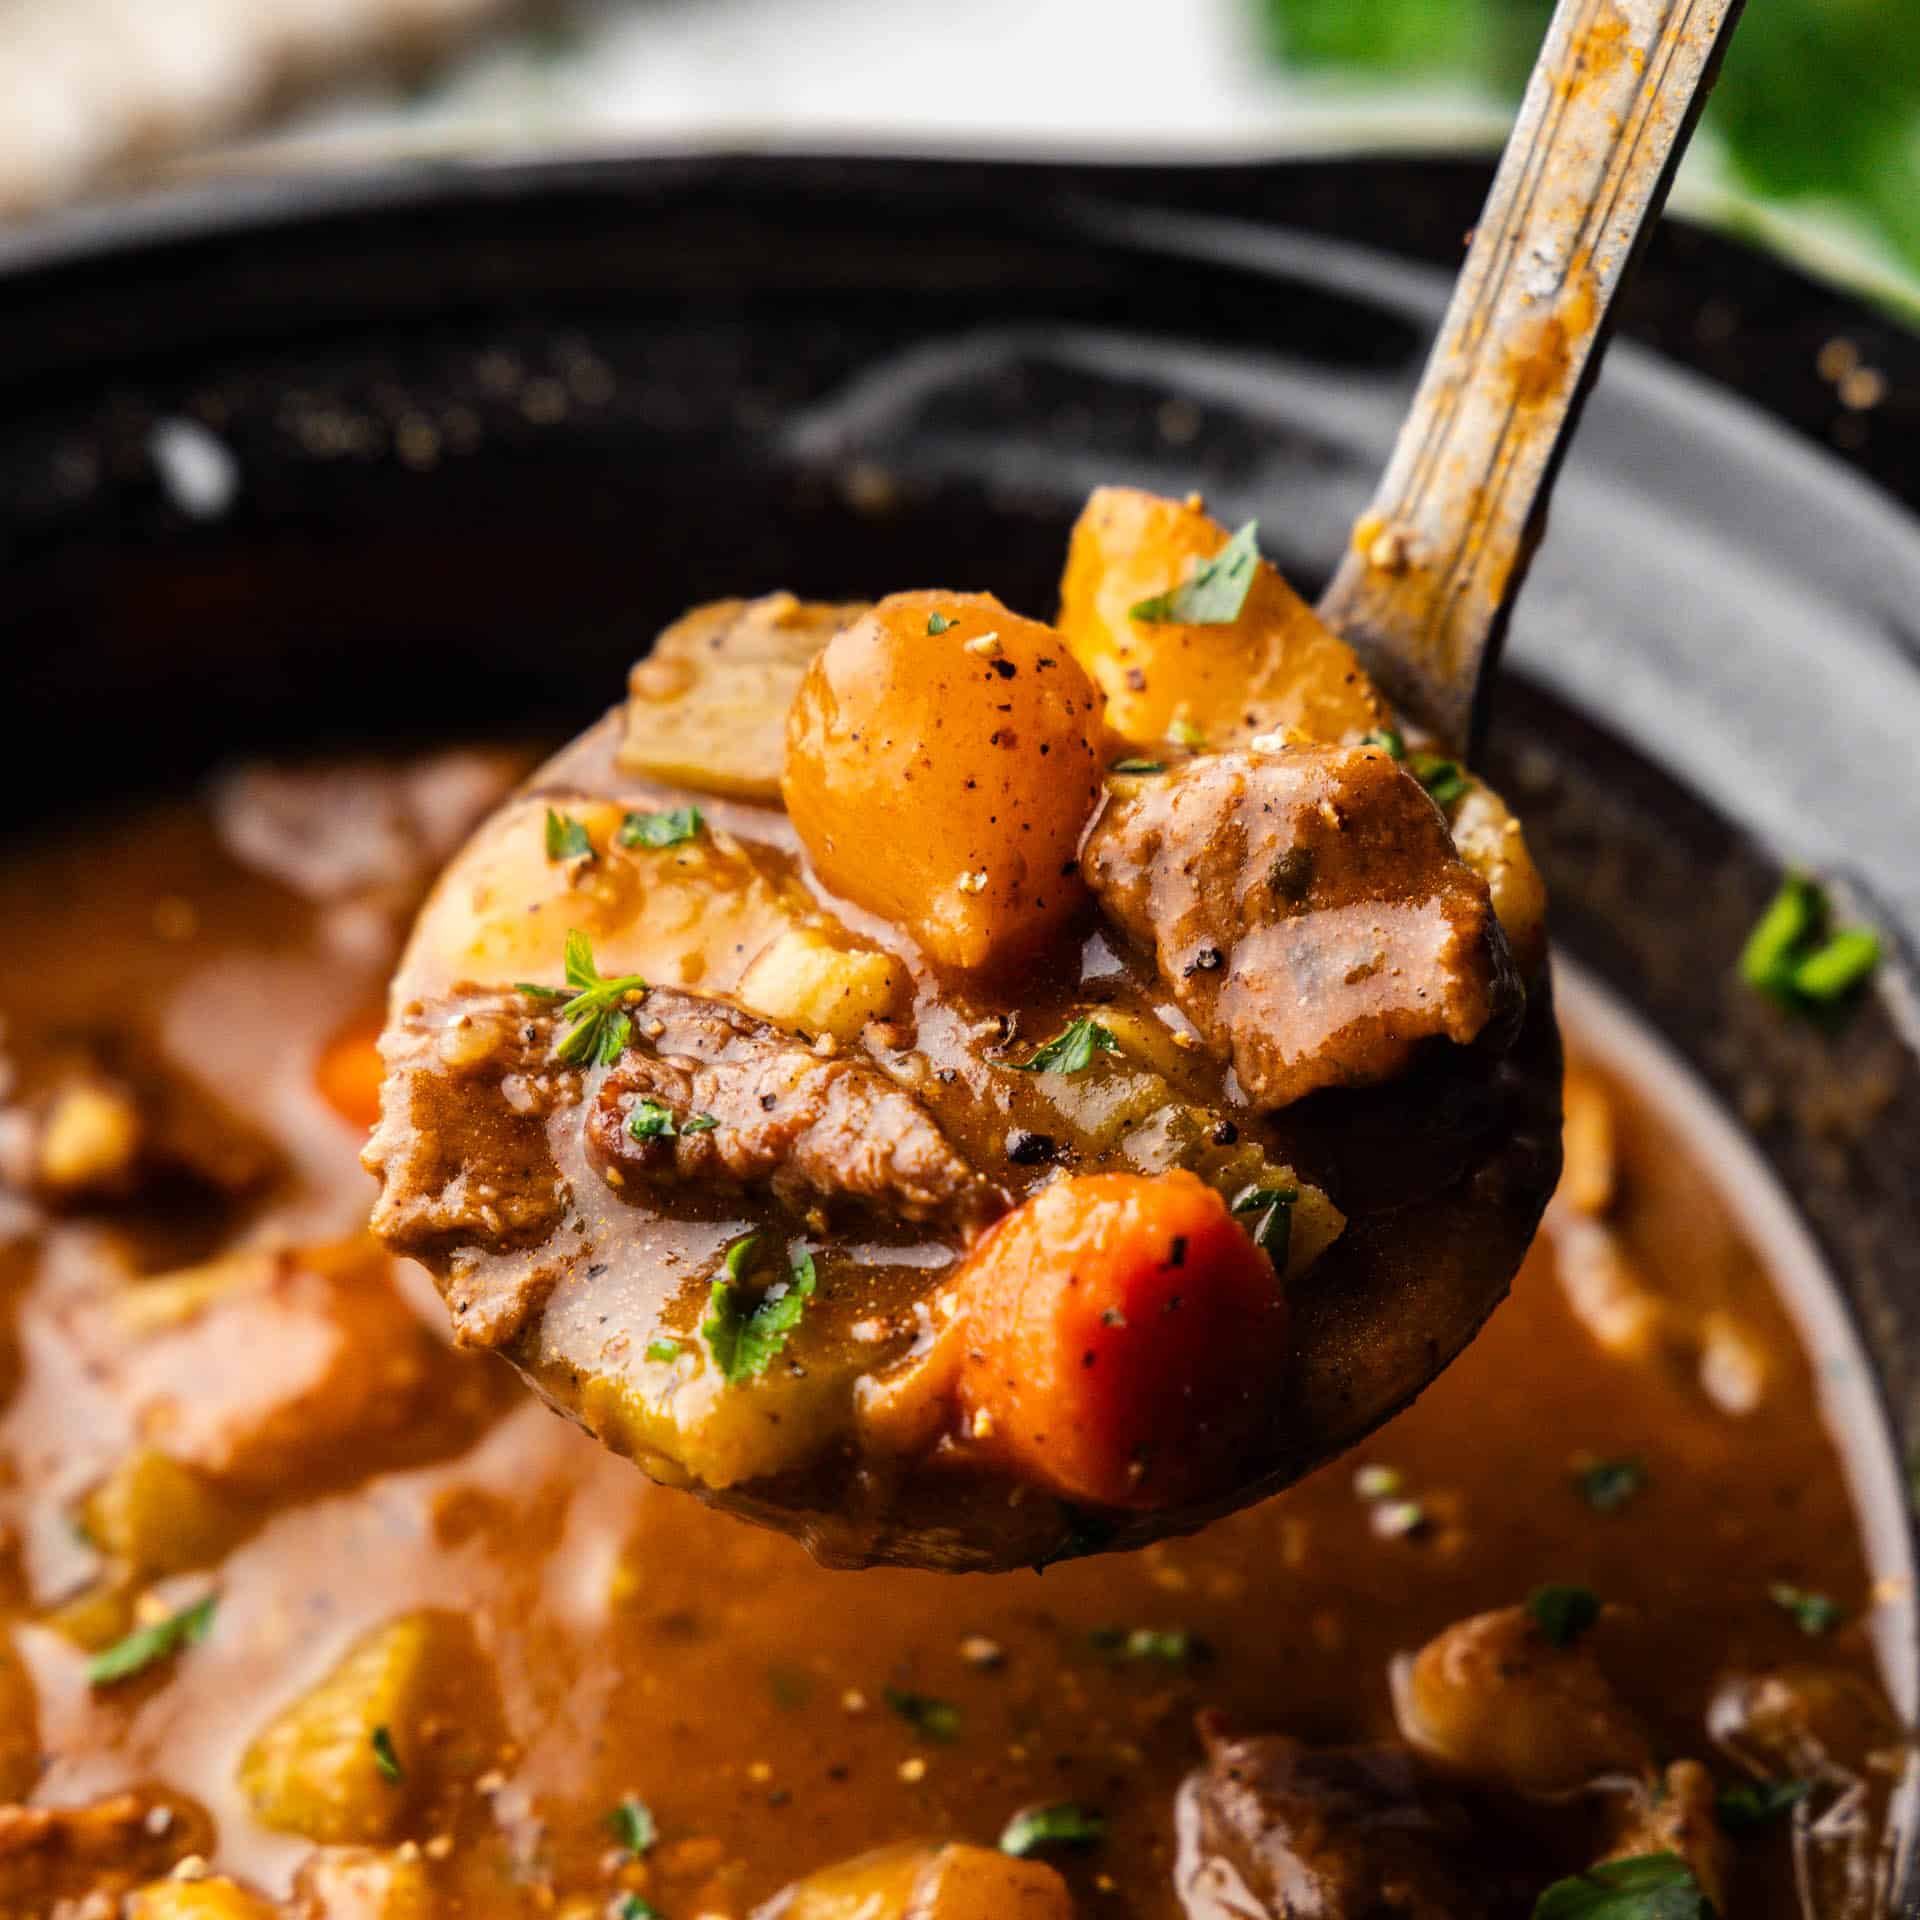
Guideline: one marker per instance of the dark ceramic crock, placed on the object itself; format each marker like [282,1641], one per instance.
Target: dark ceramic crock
[492,426]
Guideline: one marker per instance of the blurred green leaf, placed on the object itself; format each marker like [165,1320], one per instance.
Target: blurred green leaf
[1819,99]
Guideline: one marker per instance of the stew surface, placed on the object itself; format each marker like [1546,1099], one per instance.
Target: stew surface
[443,1655]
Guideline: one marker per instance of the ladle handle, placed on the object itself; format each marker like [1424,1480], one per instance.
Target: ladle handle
[1426,586]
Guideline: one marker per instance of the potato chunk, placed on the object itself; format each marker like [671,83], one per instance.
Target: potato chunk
[214,1899]
[914,1881]
[943,757]
[367,1883]
[360,1757]
[1273,666]
[707,708]
[801,979]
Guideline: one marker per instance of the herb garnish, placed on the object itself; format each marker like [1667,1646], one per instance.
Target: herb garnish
[385,1759]
[146,1645]
[649,1120]
[667,1350]
[632,1907]
[632,1824]
[1183,733]
[600,1031]
[567,838]
[1813,1613]
[1444,779]
[1065,1824]
[1795,955]
[1563,1614]
[1213,594]
[1138,766]
[698,1123]
[668,829]
[1607,1485]
[1649,1886]
[1071,1050]
[1272,1230]
[1169,1646]
[938,623]
[1752,1804]
[1390,738]
[936,1720]
[743,1340]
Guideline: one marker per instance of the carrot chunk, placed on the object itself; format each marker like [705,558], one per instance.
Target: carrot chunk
[349,1071]
[1123,1338]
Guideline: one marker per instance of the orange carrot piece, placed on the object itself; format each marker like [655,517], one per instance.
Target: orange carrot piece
[350,1070]
[1123,1340]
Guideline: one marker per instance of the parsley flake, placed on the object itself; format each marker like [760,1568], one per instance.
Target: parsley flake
[1649,1886]
[698,1123]
[147,1645]
[1138,766]
[1445,780]
[936,1720]
[600,1031]
[1752,1804]
[1213,594]
[669,829]
[1272,1227]
[567,838]
[649,1120]
[1797,958]
[1607,1485]
[666,1350]
[632,1825]
[385,1759]
[1813,1613]
[745,1340]
[938,623]
[1065,1824]
[1563,1614]
[1071,1050]
[1389,738]
[1165,1646]
[632,1907]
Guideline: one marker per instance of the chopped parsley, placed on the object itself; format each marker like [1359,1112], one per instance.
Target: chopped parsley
[745,1340]
[667,1350]
[1752,1804]
[1183,733]
[669,829]
[1389,738]
[1071,1050]
[938,623]
[1446,780]
[1271,1209]
[1166,1646]
[1138,766]
[1213,594]
[600,1031]
[1563,1614]
[147,1645]
[385,1759]
[649,1120]
[632,1825]
[1813,1613]
[936,1720]
[698,1123]
[1797,957]
[632,1907]
[1065,1824]
[1607,1485]
[567,838]
[1650,1886]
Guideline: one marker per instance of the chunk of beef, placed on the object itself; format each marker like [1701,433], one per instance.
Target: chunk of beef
[1269,1829]
[1308,913]
[808,1128]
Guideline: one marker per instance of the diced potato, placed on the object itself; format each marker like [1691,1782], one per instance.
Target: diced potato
[161,1517]
[1275,666]
[916,1881]
[707,708]
[688,915]
[90,1140]
[801,979]
[1491,1697]
[1489,839]
[212,1899]
[365,1883]
[943,759]
[421,1685]
[19,1726]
